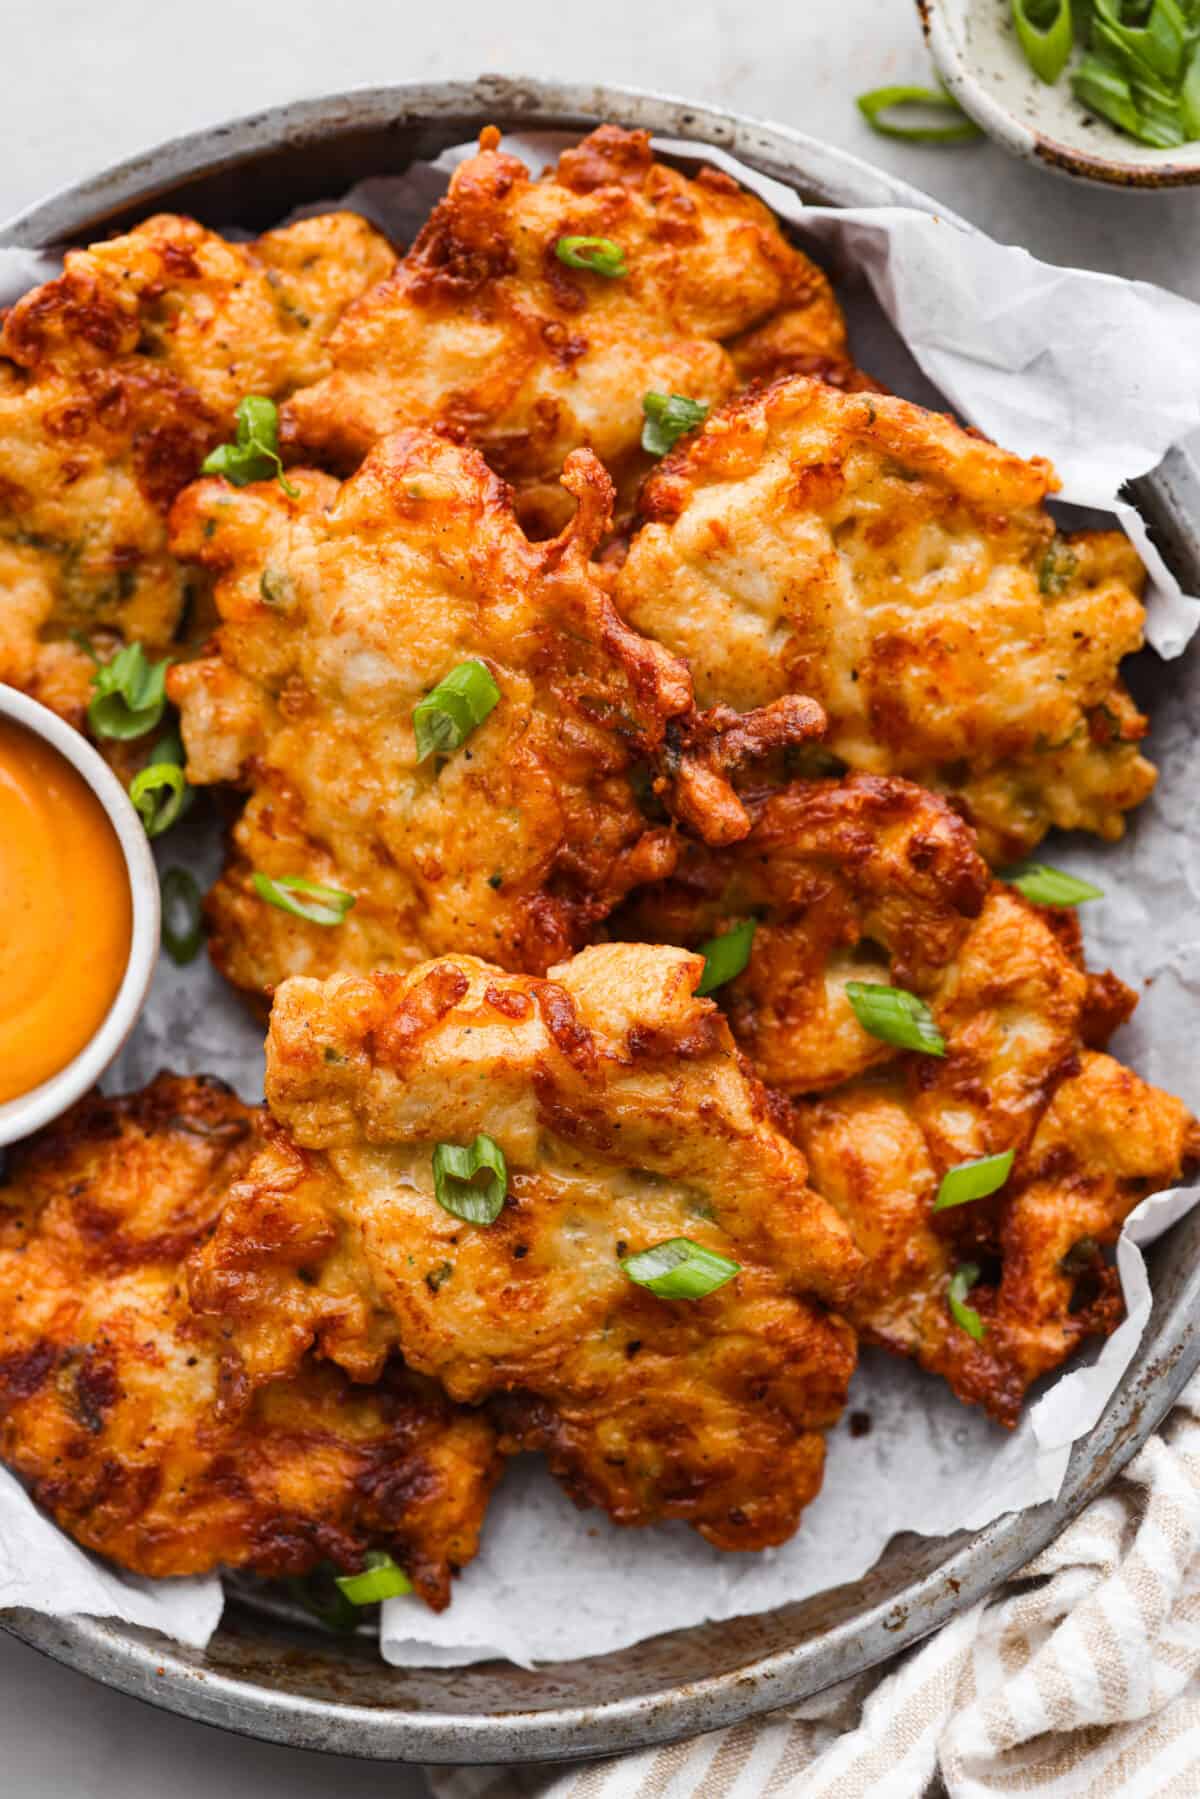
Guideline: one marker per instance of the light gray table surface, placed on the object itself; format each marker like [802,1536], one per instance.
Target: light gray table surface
[83,85]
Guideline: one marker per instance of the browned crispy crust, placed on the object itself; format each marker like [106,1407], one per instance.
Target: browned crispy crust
[115,1401]
[873,879]
[1104,1141]
[905,574]
[340,611]
[484,333]
[116,379]
[626,1119]
[869,878]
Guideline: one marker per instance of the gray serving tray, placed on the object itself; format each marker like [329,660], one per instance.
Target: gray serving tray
[268,1676]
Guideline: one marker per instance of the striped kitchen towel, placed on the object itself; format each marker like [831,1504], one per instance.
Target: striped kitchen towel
[1080,1677]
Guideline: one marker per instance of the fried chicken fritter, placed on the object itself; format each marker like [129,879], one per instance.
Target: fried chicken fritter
[866,879]
[115,1403]
[341,610]
[116,379]
[905,573]
[873,879]
[483,332]
[627,1120]
[1105,1141]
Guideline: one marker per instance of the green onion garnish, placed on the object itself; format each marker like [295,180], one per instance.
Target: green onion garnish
[128,694]
[668,418]
[680,1269]
[598,255]
[382,1578]
[1046,34]
[1102,87]
[1141,66]
[318,1593]
[726,956]
[1047,886]
[182,931]
[882,100]
[455,1168]
[317,903]
[895,1016]
[254,455]
[961,1282]
[445,718]
[158,792]
[973,1180]
[1157,43]
[1057,568]
[168,748]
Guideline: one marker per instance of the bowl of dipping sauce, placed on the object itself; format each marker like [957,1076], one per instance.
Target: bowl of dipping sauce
[79,915]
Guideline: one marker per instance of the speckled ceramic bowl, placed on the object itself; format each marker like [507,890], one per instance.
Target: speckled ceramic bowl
[975,50]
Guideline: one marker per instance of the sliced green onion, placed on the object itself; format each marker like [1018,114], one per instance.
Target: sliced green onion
[726,956]
[961,1282]
[1189,97]
[973,1180]
[274,588]
[1046,34]
[1101,86]
[668,418]
[1057,568]
[1159,45]
[680,1269]
[895,1016]
[1047,886]
[317,903]
[254,455]
[182,929]
[128,694]
[382,1578]
[445,718]
[318,1593]
[598,255]
[455,1168]
[168,748]
[158,793]
[881,100]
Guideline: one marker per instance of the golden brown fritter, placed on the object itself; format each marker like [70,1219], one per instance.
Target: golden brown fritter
[865,879]
[1103,1143]
[905,573]
[340,611]
[115,1401]
[483,332]
[116,379]
[873,879]
[627,1120]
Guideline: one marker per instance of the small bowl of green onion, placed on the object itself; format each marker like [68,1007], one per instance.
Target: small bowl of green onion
[1104,90]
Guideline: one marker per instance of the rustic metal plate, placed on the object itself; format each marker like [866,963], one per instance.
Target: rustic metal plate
[269,1677]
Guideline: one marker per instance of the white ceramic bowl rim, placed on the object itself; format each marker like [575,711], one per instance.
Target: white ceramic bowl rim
[29,1111]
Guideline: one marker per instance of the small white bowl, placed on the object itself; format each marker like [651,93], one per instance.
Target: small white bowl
[975,51]
[28,1111]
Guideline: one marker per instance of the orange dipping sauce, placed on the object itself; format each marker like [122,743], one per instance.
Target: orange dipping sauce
[66,913]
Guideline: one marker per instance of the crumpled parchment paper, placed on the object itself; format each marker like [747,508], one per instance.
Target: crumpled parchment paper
[1102,376]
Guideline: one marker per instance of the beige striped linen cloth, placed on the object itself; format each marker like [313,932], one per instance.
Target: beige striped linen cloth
[1081,1677]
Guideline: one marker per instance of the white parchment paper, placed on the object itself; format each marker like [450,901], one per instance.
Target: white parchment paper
[1102,376]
